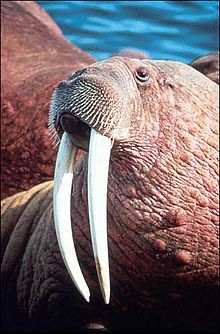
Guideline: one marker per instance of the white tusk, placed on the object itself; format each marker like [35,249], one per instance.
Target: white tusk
[61,204]
[98,164]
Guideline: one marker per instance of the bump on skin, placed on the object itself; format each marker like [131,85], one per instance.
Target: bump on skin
[159,245]
[203,201]
[177,217]
[183,257]
[186,157]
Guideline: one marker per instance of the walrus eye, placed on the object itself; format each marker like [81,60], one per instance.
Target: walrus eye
[142,74]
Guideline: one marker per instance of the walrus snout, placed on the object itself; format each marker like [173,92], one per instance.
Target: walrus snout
[100,96]
[92,100]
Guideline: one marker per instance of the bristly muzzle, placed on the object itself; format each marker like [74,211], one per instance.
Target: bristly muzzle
[94,102]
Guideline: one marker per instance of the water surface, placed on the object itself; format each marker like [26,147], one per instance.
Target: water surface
[177,30]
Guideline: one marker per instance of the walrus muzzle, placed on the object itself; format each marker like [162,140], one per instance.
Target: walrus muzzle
[87,102]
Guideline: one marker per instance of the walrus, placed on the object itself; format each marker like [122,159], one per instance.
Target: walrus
[146,188]
[208,65]
[35,56]
[31,68]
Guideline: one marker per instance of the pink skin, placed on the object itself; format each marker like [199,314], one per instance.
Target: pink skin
[208,65]
[167,180]
[162,198]
[162,217]
[31,69]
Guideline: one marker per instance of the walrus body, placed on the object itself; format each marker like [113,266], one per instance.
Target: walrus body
[35,57]
[162,207]
[208,65]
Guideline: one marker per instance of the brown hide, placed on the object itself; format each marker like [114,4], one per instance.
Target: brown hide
[35,58]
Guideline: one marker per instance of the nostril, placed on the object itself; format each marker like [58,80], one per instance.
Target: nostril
[76,74]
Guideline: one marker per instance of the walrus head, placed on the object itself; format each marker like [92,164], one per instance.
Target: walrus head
[108,109]
[99,102]
[103,97]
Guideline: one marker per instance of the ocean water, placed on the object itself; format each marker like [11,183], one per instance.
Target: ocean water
[176,30]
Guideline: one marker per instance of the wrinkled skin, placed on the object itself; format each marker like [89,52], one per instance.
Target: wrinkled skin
[162,217]
[33,61]
[29,76]
[34,280]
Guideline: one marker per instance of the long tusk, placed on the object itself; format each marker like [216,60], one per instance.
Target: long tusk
[98,164]
[61,203]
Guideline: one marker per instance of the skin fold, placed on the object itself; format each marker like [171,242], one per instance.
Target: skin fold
[162,193]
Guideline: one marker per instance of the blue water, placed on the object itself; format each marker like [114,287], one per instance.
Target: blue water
[177,30]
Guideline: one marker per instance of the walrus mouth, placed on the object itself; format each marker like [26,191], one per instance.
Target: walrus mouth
[81,112]
[97,101]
